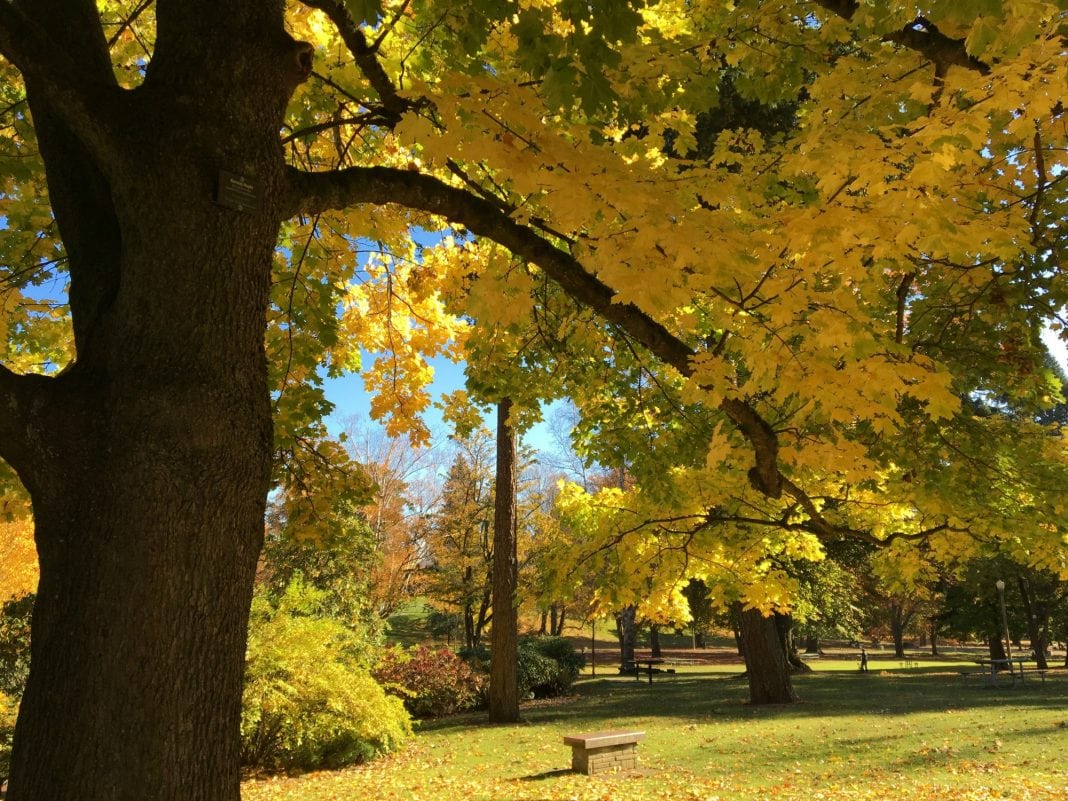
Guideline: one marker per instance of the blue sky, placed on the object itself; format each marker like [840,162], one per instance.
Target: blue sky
[351,400]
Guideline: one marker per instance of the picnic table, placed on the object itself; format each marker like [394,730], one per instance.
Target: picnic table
[646,665]
[996,664]
[650,667]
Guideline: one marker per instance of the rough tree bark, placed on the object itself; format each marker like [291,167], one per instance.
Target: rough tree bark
[627,632]
[148,461]
[765,660]
[504,636]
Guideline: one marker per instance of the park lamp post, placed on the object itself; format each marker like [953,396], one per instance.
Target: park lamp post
[1000,584]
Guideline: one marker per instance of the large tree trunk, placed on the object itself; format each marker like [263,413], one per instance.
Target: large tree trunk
[654,642]
[504,676]
[148,461]
[765,660]
[784,624]
[736,627]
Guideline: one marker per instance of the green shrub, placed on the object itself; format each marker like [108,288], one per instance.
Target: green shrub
[536,672]
[432,681]
[15,644]
[444,624]
[9,708]
[477,656]
[548,666]
[310,700]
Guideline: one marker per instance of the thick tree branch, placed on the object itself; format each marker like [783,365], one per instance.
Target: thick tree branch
[921,36]
[393,105]
[78,188]
[820,527]
[313,192]
[17,398]
[81,94]
[74,27]
[714,517]
[10,422]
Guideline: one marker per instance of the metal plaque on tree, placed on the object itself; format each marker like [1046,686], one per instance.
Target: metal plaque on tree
[237,192]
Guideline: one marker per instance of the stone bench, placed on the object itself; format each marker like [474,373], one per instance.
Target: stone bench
[599,751]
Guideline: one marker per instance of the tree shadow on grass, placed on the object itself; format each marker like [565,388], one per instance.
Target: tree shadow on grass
[696,696]
[546,774]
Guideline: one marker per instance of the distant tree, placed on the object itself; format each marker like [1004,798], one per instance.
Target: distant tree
[406,488]
[699,599]
[1036,603]
[339,562]
[459,539]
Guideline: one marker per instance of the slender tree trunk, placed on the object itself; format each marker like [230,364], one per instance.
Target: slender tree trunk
[996,646]
[932,630]
[765,660]
[469,626]
[552,619]
[812,644]
[627,631]
[504,677]
[898,621]
[654,641]
[543,628]
[482,619]
[1036,623]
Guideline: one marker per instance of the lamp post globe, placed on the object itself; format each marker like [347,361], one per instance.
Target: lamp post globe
[1000,584]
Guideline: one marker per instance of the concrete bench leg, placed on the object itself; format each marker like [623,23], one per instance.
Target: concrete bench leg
[599,760]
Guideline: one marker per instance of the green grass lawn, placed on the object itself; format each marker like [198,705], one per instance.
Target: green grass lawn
[912,734]
[407,626]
